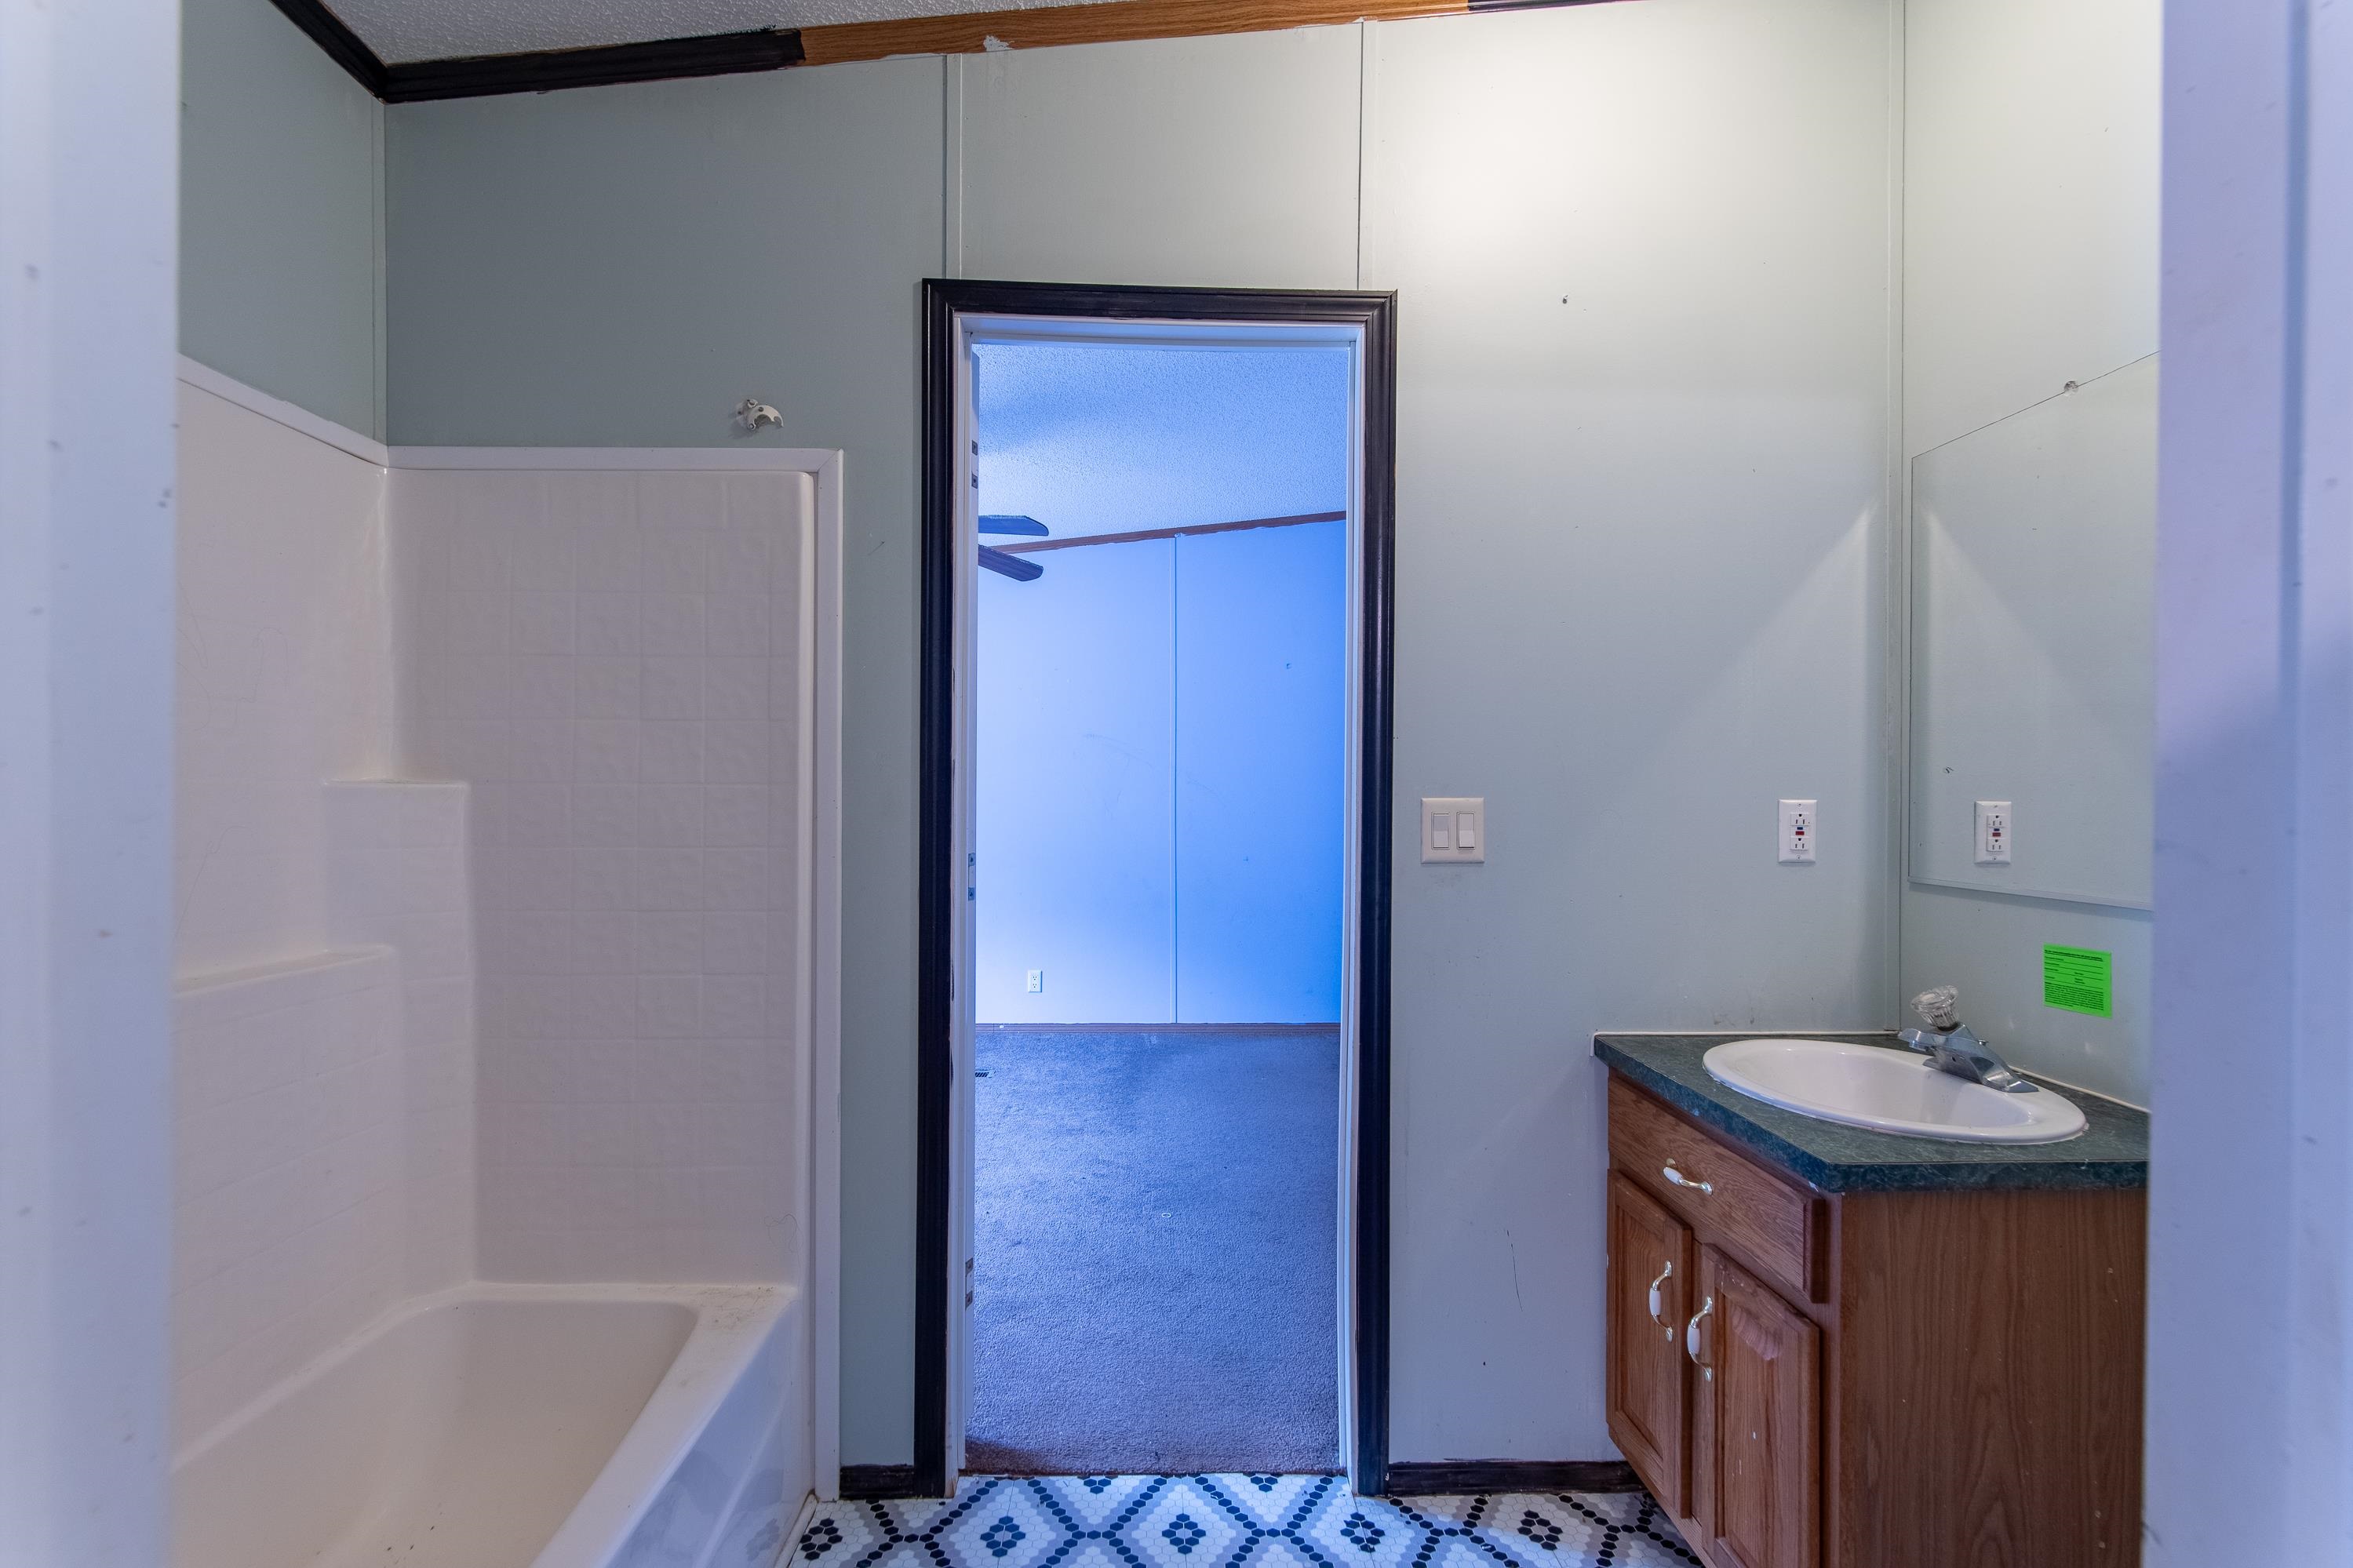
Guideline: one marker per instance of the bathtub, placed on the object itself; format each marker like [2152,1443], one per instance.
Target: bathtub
[519,1426]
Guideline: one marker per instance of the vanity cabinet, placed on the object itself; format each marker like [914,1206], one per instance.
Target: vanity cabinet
[1820,1378]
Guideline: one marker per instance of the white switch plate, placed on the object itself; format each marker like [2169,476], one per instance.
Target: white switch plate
[1036,980]
[1798,831]
[1996,826]
[1453,827]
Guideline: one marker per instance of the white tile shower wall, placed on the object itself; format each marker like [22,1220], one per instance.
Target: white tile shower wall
[284,674]
[287,1160]
[324,1119]
[397,872]
[620,664]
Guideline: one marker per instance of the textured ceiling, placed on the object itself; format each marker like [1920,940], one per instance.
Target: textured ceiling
[401,31]
[1100,438]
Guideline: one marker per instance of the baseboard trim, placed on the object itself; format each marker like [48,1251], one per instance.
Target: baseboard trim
[1477,1477]
[1158,1029]
[860,1482]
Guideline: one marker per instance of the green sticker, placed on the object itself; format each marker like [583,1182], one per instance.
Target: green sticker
[2076,978]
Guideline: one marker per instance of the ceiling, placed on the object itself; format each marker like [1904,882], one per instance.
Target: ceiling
[404,31]
[1112,438]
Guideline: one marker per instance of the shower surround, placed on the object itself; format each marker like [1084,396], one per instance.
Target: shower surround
[506,857]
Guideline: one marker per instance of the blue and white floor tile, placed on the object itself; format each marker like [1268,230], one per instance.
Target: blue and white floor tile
[1235,1521]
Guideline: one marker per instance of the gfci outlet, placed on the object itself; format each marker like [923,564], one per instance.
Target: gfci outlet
[1036,980]
[1994,832]
[1798,832]
[1453,827]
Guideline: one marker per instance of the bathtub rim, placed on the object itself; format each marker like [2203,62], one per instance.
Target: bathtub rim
[732,1325]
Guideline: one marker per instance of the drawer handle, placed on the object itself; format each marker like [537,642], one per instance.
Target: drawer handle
[1677,1179]
[1664,1274]
[1691,1339]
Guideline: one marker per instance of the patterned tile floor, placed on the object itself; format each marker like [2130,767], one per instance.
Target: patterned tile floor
[1234,1521]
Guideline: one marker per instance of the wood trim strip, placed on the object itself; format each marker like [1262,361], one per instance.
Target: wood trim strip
[1142,534]
[1491,1478]
[1103,22]
[547,70]
[774,48]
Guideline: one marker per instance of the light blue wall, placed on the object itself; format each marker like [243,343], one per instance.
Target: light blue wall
[1261,640]
[1150,695]
[1160,770]
[280,214]
[1076,766]
[1644,441]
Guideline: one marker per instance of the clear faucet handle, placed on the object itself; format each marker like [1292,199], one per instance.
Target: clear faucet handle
[1940,1006]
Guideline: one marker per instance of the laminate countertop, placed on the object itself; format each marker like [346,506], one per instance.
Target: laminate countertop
[2111,1152]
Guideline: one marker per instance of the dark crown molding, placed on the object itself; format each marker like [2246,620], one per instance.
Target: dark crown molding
[546,70]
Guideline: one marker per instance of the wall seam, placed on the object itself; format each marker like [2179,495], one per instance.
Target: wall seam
[952,165]
[1364,128]
[382,389]
[1898,494]
[1175,782]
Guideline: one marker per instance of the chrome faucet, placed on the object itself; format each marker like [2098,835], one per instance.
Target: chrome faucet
[1954,1046]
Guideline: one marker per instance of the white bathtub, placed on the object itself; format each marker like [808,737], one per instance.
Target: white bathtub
[518,1426]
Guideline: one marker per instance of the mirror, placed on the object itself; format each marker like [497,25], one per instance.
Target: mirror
[2033,662]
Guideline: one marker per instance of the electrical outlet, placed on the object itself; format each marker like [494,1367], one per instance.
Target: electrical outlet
[1798,832]
[1036,980]
[1994,832]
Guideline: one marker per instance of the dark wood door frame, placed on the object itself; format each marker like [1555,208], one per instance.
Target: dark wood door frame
[1376,314]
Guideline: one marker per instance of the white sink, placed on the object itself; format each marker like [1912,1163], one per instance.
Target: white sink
[1888,1092]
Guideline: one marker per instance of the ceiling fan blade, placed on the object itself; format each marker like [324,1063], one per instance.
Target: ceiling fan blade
[1014,566]
[1007,523]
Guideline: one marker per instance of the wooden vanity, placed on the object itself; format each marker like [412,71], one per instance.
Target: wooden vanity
[1830,1348]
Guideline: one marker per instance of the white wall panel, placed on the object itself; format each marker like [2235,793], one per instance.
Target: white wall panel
[281,213]
[1210,161]
[2030,202]
[1642,542]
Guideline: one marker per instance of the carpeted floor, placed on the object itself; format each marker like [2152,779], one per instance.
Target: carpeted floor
[1155,1263]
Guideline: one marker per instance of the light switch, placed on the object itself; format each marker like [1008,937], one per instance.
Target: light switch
[1452,828]
[1994,832]
[1798,832]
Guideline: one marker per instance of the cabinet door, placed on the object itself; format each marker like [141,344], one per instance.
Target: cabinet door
[1760,1370]
[1649,1380]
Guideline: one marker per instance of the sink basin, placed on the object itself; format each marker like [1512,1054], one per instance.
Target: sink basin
[1887,1091]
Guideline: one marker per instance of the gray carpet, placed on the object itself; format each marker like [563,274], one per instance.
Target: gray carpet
[1155,1263]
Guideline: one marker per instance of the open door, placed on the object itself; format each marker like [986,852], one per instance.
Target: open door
[956,316]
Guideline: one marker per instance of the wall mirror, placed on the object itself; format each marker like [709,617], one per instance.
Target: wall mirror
[2034,666]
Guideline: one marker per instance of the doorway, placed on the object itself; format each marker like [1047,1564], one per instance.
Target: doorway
[1035,325]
